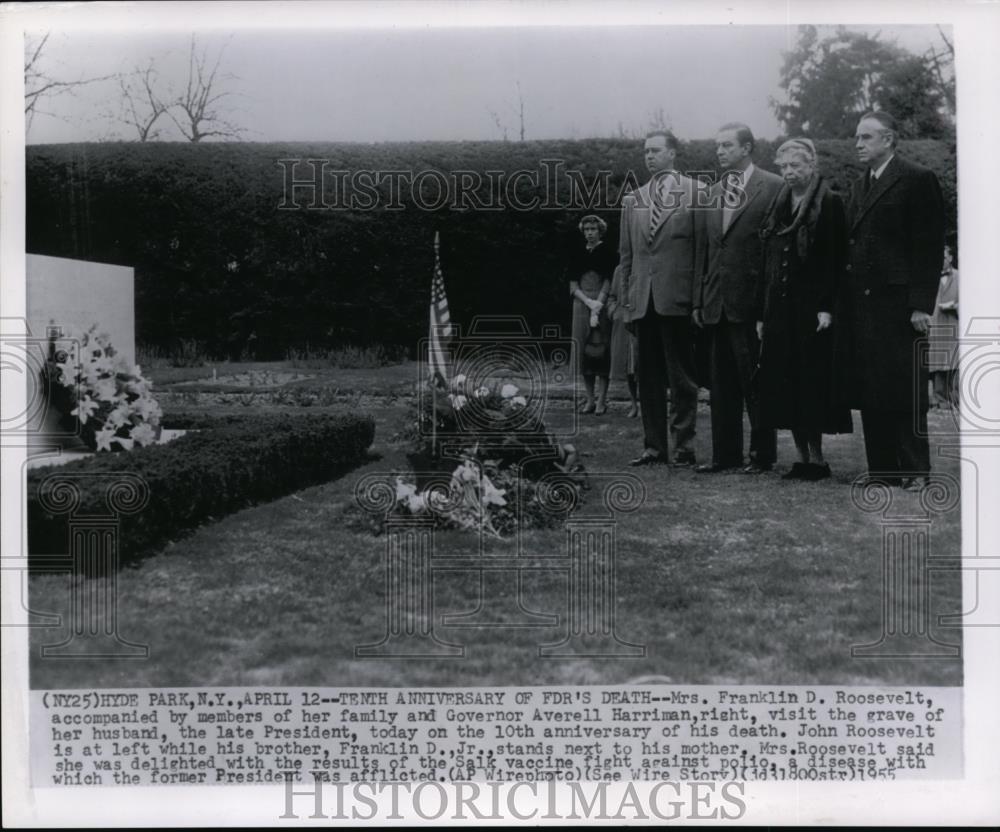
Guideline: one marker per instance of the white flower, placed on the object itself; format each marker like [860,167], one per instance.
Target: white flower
[103,364]
[143,434]
[466,472]
[118,416]
[491,494]
[124,442]
[84,410]
[104,377]
[508,391]
[104,437]
[417,504]
[105,390]
[458,381]
[457,402]
[482,392]
[404,490]
[519,400]
[68,373]
[146,408]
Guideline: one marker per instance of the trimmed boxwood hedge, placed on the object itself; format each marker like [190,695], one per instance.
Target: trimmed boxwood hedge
[202,476]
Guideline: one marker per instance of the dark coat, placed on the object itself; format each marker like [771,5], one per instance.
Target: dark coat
[727,272]
[592,269]
[803,264]
[895,251]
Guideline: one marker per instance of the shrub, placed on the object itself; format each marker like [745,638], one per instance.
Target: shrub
[348,357]
[203,476]
[259,281]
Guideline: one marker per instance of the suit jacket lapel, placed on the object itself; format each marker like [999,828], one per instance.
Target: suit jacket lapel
[674,200]
[715,217]
[753,191]
[890,176]
[643,209]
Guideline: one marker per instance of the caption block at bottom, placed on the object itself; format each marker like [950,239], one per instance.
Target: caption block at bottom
[244,736]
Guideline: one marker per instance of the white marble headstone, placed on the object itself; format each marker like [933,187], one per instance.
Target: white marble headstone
[77,294]
[73,295]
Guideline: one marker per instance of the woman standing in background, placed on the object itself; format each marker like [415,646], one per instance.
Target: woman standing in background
[588,273]
[943,355]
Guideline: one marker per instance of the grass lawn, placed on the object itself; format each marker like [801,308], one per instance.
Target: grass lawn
[724,578]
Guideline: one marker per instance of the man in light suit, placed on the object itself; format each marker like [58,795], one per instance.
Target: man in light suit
[895,249]
[726,296]
[659,225]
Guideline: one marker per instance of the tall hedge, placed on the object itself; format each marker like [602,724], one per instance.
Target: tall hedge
[217,261]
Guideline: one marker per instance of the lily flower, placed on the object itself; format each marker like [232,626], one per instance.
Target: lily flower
[84,410]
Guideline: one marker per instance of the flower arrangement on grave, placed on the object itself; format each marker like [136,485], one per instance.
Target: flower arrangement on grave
[91,384]
[495,460]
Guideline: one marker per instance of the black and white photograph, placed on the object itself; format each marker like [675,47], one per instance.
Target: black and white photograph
[403,398]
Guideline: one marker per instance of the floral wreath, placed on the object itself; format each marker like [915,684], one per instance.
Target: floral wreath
[91,383]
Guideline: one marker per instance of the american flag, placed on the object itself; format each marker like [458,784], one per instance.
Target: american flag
[441,330]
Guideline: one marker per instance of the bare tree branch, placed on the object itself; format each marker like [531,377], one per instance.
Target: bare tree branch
[500,125]
[38,84]
[947,43]
[520,113]
[200,115]
[141,104]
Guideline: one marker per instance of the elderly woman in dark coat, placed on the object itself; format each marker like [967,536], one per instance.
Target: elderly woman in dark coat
[805,239]
[589,271]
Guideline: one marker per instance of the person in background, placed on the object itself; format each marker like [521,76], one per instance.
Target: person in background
[726,293]
[805,241]
[943,352]
[590,266]
[624,346]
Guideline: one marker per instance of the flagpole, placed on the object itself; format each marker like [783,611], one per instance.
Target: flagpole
[434,410]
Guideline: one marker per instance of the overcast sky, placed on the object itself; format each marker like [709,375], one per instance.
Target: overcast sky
[391,84]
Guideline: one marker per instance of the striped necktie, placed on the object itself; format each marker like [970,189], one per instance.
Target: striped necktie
[657,206]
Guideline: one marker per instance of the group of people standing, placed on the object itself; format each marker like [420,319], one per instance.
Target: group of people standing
[809,307]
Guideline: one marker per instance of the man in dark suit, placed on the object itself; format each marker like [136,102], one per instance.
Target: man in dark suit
[895,250]
[657,248]
[727,289]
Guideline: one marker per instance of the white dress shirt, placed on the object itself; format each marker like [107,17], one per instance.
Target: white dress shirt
[742,177]
[878,172]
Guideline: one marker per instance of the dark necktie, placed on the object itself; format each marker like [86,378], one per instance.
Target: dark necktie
[730,198]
